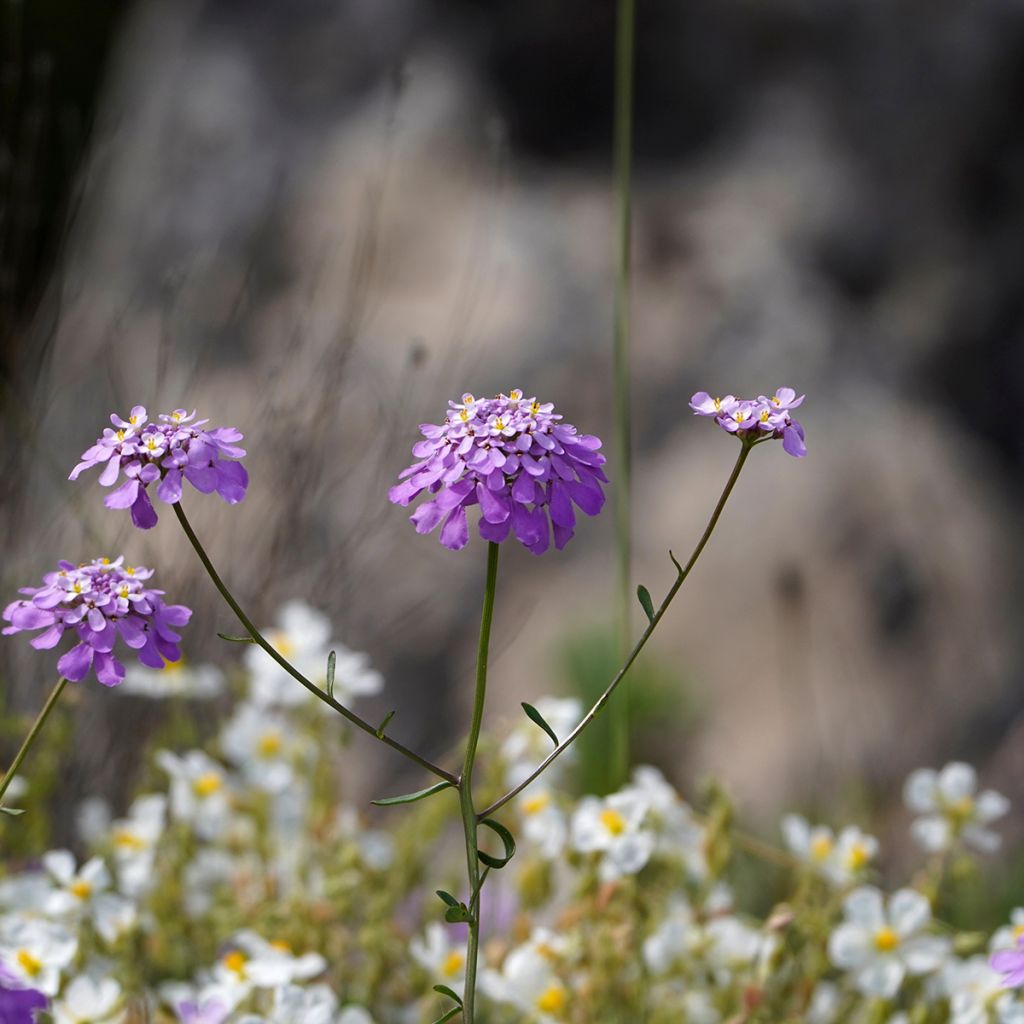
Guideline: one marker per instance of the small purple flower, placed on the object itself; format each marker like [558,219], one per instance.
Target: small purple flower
[755,420]
[210,1010]
[1010,964]
[514,458]
[99,601]
[18,1005]
[165,453]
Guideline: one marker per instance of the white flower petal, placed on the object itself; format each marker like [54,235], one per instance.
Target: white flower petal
[919,790]
[864,907]
[932,834]
[990,806]
[909,912]
[957,781]
[850,945]
[924,953]
[881,977]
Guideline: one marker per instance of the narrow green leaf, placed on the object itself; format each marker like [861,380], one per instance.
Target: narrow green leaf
[453,1012]
[383,725]
[332,660]
[507,840]
[411,798]
[447,897]
[12,811]
[236,639]
[535,716]
[450,993]
[675,562]
[644,596]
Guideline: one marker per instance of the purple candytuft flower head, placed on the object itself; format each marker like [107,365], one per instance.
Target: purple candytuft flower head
[165,453]
[753,420]
[1010,964]
[99,601]
[516,459]
[17,1004]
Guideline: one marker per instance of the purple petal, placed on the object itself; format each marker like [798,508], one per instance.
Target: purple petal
[143,514]
[109,671]
[124,496]
[202,478]
[75,664]
[232,480]
[149,655]
[524,489]
[170,487]
[455,532]
[427,516]
[44,641]
[561,507]
[27,616]
[563,534]
[496,532]
[97,620]
[130,628]
[793,441]
[494,509]
[111,471]
[589,499]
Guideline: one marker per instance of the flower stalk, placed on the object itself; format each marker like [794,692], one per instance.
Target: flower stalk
[469,816]
[682,572]
[258,638]
[37,726]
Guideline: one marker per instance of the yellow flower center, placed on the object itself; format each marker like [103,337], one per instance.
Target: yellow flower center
[151,442]
[553,999]
[270,744]
[765,414]
[133,420]
[536,804]
[129,570]
[104,561]
[740,415]
[857,857]
[535,408]
[120,435]
[128,840]
[886,940]
[961,810]
[176,416]
[207,784]
[123,591]
[80,889]
[235,961]
[452,964]
[281,946]
[613,821]
[718,405]
[28,963]
[77,587]
[499,424]
[1018,931]
[282,643]
[821,847]
[776,400]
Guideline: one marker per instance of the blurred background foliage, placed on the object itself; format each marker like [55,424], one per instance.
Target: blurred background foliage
[321,220]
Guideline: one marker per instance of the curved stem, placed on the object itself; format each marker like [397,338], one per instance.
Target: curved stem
[258,638]
[469,817]
[622,452]
[32,733]
[682,573]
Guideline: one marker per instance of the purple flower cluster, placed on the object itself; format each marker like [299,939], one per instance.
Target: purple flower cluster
[98,601]
[169,451]
[516,459]
[753,419]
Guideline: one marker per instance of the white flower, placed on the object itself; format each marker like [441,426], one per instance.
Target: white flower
[1007,936]
[544,824]
[840,860]
[528,979]
[75,889]
[294,1005]
[303,637]
[254,962]
[199,791]
[134,842]
[613,828]
[879,943]
[89,1001]
[824,1005]
[36,952]
[208,1004]
[175,679]
[679,834]
[355,1015]
[952,810]
[735,946]
[92,820]
[439,955]
[262,744]
[527,744]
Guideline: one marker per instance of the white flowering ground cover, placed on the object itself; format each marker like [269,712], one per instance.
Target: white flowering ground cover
[245,887]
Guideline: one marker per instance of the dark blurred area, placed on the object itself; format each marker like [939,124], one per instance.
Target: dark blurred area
[320,220]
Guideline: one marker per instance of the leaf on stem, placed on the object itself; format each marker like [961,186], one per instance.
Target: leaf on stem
[14,812]
[453,1012]
[383,725]
[332,660]
[537,718]
[444,990]
[411,798]
[447,898]
[644,596]
[236,639]
[675,562]
[507,840]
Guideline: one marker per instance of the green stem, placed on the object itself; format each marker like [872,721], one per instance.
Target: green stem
[622,449]
[682,573]
[258,638]
[469,817]
[32,733]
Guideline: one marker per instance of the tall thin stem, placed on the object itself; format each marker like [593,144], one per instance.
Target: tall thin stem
[622,448]
[682,573]
[258,638]
[469,818]
[32,733]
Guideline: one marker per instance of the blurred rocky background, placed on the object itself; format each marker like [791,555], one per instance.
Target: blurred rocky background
[319,220]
